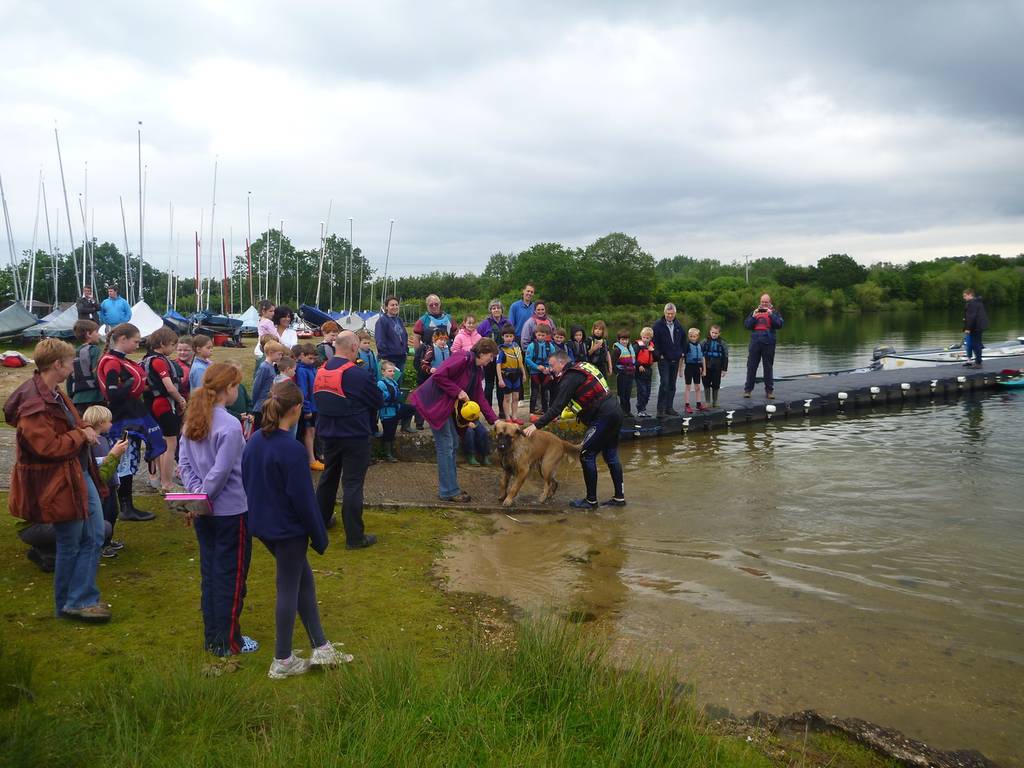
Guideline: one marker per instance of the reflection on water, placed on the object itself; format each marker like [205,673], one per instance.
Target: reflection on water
[869,565]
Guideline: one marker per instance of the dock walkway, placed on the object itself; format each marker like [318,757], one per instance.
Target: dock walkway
[826,393]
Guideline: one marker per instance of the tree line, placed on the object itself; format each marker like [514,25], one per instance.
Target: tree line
[611,275]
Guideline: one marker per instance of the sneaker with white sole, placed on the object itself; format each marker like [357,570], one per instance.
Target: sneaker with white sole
[327,655]
[290,667]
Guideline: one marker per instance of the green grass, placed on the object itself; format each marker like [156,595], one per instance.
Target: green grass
[426,688]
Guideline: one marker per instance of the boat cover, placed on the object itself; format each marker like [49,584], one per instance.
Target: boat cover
[60,327]
[315,317]
[16,319]
[145,319]
[250,319]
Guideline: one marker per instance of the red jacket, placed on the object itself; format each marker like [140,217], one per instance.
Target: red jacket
[47,485]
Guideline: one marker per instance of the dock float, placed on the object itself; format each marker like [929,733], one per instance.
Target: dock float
[823,394]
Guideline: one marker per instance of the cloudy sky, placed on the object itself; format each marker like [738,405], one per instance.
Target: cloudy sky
[887,130]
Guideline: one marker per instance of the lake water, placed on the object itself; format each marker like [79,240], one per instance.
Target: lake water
[867,565]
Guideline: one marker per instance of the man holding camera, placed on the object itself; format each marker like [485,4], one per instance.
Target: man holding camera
[762,324]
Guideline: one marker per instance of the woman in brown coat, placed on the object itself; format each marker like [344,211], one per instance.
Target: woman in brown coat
[55,479]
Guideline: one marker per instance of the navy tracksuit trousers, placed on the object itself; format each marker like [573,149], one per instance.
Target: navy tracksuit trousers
[760,352]
[225,548]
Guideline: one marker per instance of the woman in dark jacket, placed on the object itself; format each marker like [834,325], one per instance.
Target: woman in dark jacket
[490,327]
[390,336]
[55,479]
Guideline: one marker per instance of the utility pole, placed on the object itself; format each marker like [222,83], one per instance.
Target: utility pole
[746,266]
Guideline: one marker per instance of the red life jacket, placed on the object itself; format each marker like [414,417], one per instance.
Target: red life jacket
[763,321]
[329,391]
[645,354]
[591,392]
[127,371]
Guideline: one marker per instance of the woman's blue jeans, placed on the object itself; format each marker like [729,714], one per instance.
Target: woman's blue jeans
[78,556]
[446,443]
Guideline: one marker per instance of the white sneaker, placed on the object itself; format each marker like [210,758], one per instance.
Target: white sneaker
[282,668]
[329,656]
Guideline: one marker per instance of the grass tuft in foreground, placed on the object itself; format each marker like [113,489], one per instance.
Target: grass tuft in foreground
[550,700]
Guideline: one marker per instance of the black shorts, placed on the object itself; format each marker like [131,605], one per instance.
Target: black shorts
[169,423]
[692,372]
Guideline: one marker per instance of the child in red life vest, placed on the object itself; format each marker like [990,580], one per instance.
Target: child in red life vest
[624,362]
[165,401]
[646,358]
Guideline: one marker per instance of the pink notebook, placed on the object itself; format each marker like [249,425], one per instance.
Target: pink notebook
[198,503]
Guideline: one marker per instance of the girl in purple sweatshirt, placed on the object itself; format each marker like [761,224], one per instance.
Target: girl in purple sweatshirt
[210,463]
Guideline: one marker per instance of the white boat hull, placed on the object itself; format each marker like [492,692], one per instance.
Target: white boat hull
[925,358]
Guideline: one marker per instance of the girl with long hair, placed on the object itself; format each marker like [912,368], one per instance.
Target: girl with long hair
[210,463]
[283,514]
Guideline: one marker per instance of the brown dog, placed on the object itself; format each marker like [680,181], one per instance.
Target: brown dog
[519,454]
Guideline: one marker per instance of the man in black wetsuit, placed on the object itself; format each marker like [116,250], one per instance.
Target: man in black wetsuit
[583,389]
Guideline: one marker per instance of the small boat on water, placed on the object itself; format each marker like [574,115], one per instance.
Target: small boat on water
[1013,379]
[888,359]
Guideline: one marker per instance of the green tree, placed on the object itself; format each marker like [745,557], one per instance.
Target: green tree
[839,271]
[628,270]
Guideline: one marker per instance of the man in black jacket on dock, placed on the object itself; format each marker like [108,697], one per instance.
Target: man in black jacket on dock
[975,321]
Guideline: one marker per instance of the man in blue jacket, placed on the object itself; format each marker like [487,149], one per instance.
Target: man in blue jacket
[390,336]
[762,324]
[347,400]
[114,310]
[522,310]
[670,342]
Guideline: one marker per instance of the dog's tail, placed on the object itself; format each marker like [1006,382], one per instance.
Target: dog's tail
[572,448]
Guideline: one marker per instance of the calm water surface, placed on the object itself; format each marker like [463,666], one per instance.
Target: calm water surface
[869,565]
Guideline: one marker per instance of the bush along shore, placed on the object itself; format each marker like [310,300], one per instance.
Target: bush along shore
[438,680]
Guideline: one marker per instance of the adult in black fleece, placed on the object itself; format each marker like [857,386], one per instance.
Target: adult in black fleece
[975,321]
[601,413]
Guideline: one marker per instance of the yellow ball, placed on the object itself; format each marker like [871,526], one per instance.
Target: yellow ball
[470,411]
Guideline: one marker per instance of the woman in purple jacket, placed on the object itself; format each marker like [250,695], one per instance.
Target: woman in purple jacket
[210,462]
[459,379]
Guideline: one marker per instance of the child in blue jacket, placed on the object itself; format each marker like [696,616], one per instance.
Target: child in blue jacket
[305,375]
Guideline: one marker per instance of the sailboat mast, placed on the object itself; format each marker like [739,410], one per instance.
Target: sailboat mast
[49,242]
[141,296]
[15,273]
[35,236]
[67,210]
[213,216]
[387,258]
[280,238]
[248,240]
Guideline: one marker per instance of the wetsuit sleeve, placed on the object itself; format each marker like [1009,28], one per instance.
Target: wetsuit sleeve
[117,393]
[570,382]
[725,356]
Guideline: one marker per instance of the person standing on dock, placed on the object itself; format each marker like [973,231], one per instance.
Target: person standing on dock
[762,324]
[670,341]
[975,321]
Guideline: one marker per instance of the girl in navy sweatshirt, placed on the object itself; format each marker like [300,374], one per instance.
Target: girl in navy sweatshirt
[283,514]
